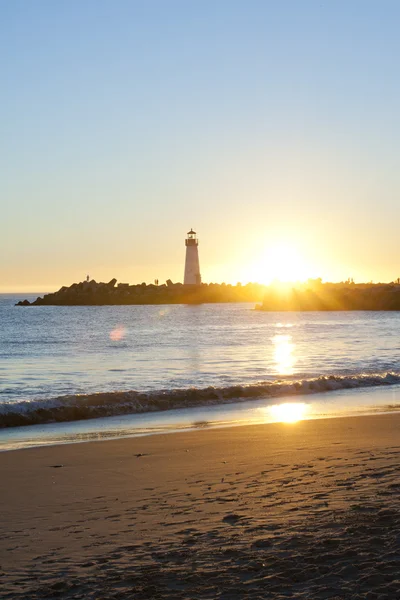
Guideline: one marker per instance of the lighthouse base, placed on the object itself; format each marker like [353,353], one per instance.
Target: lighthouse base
[192,268]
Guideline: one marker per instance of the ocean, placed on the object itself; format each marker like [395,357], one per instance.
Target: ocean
[110,371]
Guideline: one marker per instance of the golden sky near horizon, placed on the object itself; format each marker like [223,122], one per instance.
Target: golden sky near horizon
[257,259]
[273,133]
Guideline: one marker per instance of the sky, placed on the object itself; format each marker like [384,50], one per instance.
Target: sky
[270,127]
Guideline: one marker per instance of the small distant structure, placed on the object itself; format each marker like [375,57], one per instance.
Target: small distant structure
[87,278]
[192,266]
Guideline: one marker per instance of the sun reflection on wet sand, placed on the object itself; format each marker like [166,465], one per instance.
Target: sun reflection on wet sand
[290,412]
[283,354]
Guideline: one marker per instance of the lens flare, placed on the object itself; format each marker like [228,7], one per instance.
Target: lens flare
[290,412]
[117,334]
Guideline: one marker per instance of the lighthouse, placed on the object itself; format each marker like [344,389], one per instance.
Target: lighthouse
[192,266]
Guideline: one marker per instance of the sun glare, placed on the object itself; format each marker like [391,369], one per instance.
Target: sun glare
[281,262]
[290,412]
[283,354]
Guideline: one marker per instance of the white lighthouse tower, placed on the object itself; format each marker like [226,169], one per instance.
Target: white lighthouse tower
[192,266]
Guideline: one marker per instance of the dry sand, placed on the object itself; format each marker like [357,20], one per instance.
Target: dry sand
[309,510]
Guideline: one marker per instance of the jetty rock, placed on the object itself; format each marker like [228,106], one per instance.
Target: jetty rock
[23,303]
[345,296]
[100,293]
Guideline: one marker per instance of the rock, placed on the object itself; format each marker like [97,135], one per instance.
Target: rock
[23,303]
[89,286]
[232,518]
[263,543]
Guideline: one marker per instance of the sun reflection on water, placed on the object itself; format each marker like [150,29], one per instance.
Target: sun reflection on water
[283,354]
[289,412]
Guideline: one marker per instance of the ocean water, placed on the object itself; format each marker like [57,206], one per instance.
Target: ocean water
[76,363]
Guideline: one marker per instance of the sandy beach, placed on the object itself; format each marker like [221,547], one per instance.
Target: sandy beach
[308,510]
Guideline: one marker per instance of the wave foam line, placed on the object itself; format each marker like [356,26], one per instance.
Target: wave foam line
[90,406]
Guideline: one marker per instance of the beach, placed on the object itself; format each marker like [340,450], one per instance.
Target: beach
[200,301]
[302,510]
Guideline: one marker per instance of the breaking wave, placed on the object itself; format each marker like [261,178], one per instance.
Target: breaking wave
[106,404]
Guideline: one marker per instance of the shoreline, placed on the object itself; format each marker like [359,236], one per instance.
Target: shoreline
[364,401]
[191,429]
[309,508]
[83,407]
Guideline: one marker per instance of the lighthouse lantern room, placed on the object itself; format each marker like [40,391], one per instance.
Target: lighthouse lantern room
[192,267]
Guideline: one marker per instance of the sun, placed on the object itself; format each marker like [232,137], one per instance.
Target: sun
[283,262]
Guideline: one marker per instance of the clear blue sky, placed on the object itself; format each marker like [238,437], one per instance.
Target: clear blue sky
[126,123]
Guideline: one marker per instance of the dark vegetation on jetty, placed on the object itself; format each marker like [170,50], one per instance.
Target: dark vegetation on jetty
[96,294]
[318,296]
[311,295]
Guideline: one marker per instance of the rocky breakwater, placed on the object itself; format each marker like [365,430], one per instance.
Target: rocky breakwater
[317,296]
[96,294]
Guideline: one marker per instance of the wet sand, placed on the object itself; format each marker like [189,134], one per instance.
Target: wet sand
[308,510]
